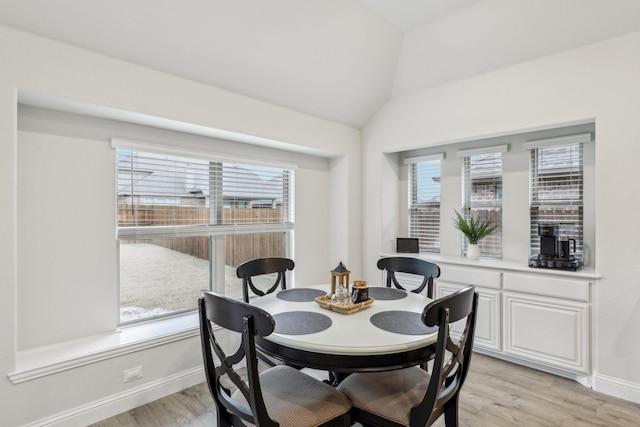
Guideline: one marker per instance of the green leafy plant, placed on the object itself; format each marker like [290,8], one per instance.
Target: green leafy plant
[474,229]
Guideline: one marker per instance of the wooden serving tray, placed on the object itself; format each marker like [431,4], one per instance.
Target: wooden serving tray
[325,302]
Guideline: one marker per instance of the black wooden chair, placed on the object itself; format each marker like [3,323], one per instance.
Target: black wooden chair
[260,266]
[412,397]
[416,266]
[278,396]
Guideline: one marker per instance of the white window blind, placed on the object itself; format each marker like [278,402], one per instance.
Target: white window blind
[424,202]
[482,195]
[163,193]
[556,194]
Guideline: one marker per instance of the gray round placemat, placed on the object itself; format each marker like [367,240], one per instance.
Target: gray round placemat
[401,322]
[381,293]
[300,294]
[301,322]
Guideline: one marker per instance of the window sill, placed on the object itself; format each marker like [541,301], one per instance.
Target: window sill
[498,264]
[43,361]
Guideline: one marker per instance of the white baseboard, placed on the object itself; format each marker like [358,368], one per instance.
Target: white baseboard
[616,387]
[116,404]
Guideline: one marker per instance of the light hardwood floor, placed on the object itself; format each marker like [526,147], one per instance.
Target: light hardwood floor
[496,394]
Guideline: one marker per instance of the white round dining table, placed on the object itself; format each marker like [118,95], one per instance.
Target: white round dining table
[388,334]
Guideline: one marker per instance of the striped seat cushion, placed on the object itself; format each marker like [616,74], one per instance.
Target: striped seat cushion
[390,394]
[294,399]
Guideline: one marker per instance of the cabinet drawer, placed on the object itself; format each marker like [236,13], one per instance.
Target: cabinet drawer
[470,276]
[549,286]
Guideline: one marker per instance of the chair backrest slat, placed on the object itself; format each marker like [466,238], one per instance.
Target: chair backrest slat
[415,266]
[458,306]
[261,266]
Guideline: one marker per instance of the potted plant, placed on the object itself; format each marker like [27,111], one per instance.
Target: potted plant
[474,230]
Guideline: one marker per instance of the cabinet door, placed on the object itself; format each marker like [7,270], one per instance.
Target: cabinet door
[488,318]
[550,331]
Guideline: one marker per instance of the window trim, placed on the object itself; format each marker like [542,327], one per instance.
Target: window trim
[484,150]
[42,361]
[562,140]
[202,230]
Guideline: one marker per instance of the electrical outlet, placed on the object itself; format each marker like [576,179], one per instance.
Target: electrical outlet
[132,374]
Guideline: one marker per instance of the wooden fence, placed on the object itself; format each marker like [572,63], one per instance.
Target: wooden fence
[238,248]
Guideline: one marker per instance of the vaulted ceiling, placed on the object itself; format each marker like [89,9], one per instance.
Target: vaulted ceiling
[340,60]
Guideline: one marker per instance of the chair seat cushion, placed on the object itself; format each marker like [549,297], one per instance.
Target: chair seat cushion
[389,394]
[295,399]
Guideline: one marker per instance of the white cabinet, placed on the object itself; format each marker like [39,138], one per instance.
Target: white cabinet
[547,321]
[537,317]
[488,318]
[487,283]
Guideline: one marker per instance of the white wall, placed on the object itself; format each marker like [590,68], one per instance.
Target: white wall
[42,66]
[66,250]
[597,83]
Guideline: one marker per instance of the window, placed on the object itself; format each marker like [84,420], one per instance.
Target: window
[183,220]
[482,193]
[556,194]
[424,201]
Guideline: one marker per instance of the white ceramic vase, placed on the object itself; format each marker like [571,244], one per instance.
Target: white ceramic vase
[473,251]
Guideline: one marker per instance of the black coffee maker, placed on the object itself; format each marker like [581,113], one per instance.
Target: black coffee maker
[556,251]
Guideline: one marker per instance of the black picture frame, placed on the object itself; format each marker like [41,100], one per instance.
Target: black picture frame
[407,245]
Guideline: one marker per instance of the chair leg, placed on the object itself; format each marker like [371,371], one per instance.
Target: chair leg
[264,359]
[451,412]
[222,421]
[335,378]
